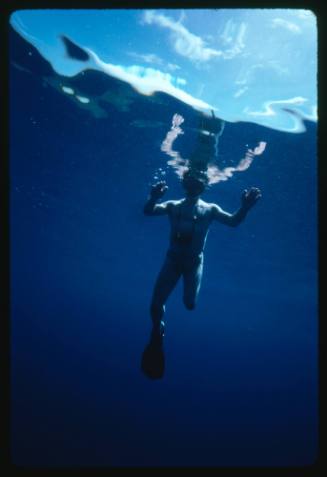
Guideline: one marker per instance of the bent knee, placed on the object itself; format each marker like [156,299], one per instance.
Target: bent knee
[190,305]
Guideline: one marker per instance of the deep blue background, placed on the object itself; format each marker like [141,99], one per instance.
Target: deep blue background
[240,386]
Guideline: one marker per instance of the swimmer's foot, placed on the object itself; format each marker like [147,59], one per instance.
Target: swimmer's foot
[153,358]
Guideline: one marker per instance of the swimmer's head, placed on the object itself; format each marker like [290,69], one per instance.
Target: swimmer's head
[194,182]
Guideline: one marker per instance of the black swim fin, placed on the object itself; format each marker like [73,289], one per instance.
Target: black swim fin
[153,358]
[153,361]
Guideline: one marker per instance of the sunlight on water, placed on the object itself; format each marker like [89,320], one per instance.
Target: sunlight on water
[207,159]
[252,65]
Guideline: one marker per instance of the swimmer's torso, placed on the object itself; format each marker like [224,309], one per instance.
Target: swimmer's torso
[189,226]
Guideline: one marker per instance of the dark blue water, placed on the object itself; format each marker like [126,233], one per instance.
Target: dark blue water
[240,386]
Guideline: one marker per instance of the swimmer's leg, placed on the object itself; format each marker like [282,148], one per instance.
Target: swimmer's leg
[192,282]
[166,282]
[153,358]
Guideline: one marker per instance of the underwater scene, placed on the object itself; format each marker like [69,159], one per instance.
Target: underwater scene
[119,121]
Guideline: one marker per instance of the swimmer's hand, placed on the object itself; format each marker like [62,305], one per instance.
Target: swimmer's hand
[158,190]
[249,198]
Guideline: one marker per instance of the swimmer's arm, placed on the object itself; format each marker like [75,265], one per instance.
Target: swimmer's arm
[157,191]
[151,208]
[226,218]
[249,198]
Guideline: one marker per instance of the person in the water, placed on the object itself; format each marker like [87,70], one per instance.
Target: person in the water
[190,219]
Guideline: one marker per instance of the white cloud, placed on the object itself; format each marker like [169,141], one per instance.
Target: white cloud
[226,36]
[173,67]
[254,72]
[304,14]
[233,38]
[185,43]
[276,66]
[148,80]
[200,90]
[194,47]
[280,110]
[180,81]
[182,17]
[247,76]
[147,58]
[153,59]
[280,22]
[240,92]
[268,109]
[238,45]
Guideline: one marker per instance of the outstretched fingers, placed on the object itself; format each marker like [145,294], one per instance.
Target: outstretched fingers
[162,186]
[250,197]
[159,185]
[254,194]
[244,194]
[159,189]
[255,191]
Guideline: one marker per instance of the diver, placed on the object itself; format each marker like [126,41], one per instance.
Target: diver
[190,219]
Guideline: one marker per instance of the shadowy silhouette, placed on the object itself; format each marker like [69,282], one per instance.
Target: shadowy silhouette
[74,51]
[153,358]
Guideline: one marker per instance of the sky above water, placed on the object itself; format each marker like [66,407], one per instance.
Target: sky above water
[255,65]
